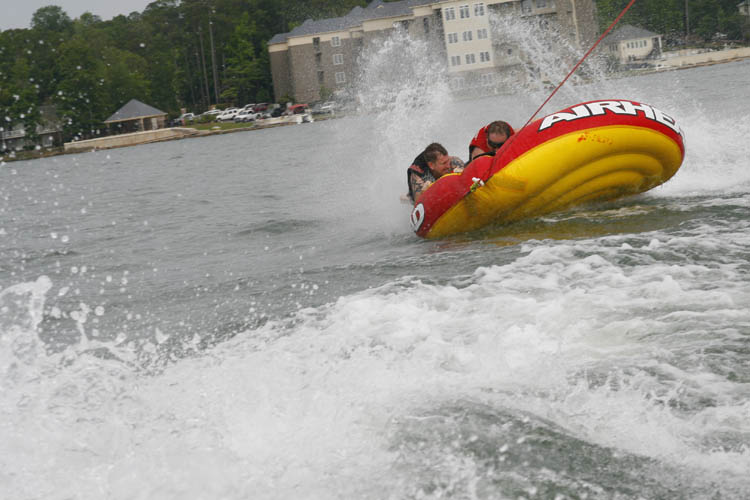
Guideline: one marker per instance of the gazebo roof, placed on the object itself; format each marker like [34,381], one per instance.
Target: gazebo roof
[134,110]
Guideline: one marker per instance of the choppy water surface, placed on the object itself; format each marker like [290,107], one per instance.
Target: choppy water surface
[250,316]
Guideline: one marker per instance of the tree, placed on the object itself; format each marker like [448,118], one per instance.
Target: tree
[122,77]
[51,19]
[19,100]
[245,67]
[80,96]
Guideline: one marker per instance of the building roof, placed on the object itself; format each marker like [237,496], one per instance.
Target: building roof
[629,32]
[133,110]
[377,9]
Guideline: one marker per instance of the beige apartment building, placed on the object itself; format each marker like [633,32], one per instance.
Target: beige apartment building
[320,57]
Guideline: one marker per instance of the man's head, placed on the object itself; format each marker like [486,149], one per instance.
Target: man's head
[437,159]
[497,133]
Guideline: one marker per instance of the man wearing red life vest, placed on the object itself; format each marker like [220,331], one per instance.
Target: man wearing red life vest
[490,138]
[429,166]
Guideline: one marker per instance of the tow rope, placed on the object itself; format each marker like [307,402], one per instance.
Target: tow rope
[614,23]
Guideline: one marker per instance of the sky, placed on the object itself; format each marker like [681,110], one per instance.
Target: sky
[17,13]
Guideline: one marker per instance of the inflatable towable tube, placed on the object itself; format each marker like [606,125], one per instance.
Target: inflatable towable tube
[594,151]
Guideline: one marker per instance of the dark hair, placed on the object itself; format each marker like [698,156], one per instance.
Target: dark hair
[499,127]
[431,152]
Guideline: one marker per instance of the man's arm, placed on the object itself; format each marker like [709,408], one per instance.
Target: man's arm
[476,151]
[418,185]
[457,164]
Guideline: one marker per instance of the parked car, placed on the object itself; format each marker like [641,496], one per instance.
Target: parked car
[326,108]
[186,118]
[249,106]
[227,115]
[277,112]
[212,112]
[246,115]
[263,106]
[329,106]
[298,109]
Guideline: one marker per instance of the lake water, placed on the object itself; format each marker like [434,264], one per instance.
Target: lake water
[250,316]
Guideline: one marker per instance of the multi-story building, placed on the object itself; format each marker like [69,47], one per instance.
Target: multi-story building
[320,57]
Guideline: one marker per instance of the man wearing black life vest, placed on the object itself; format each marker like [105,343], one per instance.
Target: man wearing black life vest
[490,138]
[429,166]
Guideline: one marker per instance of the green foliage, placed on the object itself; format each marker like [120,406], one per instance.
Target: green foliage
[246,65]
[18,99]
[263,95]
[51,19]
[704,20]
[325,93]
[80,96]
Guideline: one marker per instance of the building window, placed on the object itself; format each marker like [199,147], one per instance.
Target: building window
[457,83]
[482,34]
[455,60]
[338,59]
[316,43]
[321,77]
[540,4]
[340,77]
[450,14]
[526,6]
[470,59]
[426,25]
[336,41]
[484,56]
[318,59]
[464,9]
[487,79]
[467,36]
[478,9]
[452,37]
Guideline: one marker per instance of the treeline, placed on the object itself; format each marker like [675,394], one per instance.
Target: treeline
[194,53]
[680,21]
[175,54]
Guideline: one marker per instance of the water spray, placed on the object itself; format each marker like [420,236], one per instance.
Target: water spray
[606,32]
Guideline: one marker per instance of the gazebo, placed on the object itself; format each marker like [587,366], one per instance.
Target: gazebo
[136,116]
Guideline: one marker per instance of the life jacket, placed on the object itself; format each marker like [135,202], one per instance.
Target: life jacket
[419,168]
[489,153]
[480,140]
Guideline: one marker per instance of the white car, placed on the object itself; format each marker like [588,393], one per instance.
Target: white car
[228,115]
[212,113]
[329,106]
[246,115]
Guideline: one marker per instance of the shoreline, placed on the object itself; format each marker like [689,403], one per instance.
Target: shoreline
[33,155]
[60,150]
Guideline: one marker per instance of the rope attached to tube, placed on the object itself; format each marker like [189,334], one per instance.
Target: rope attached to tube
[614,23]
